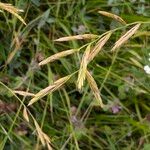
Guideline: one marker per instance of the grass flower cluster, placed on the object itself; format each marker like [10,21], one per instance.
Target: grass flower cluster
[71,75]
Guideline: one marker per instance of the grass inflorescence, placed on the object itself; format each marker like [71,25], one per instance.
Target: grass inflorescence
[74,74]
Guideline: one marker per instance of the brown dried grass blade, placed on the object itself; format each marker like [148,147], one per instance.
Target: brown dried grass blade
[77,37]
[83,68]
[125,37]
[24,93]
[94,88]
[11,9]
[113,16]
[99,46]
[57,56]
[57,84]
[25,114]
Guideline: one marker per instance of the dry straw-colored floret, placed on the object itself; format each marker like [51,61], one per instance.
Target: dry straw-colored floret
[24,93]
[125,37]
[83,68]
[57,56]
[45,140]
[113,16]
[11,9]
[88,56]
[77,37]
[51,88]
[25,114]
[16,43]
[99,46]
[94,88]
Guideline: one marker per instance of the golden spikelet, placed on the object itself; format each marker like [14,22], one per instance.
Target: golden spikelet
[83,68]
[45,140]
[57,56]
[77,37]
[51,88]
[24,93]
[25,114]
[125,37]
[113,16]
[94,88]
[11,9]
[99,46]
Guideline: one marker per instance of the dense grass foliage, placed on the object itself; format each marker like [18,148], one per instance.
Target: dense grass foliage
[106,107]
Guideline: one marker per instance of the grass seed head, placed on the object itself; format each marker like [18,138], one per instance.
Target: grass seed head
[41,134]
[57,56]
[83,68]
[77,37]
[125,37]
[51,88]
[113,16]
[11,9]
[24,93]
[25,114]
[94,88]
[99,45]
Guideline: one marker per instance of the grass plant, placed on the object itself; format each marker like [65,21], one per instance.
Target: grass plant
[74,74]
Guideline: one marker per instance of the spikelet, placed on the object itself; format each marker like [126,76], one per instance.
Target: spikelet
[125,37]
[11,9]
[94,88]
[24,93]
[83,68]
[77,37]
[99,46]
[45,140]
[51,88]
[110,15]
[57,56]
[25,114]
